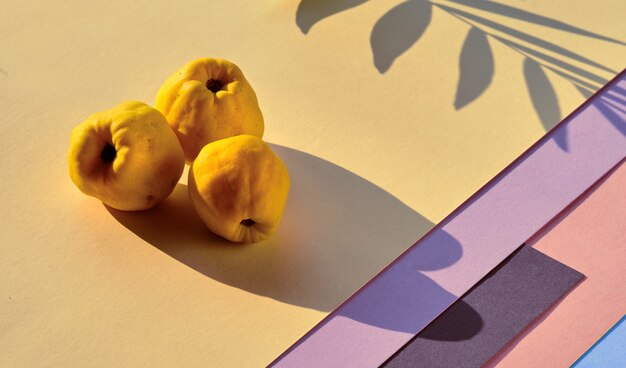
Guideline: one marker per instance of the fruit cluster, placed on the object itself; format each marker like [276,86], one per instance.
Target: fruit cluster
[132,156]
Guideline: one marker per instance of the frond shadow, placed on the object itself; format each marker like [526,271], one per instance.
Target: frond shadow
[312,11]
[519,14]
[476,68]
[544,99]
[525,37]
[403,25]
[614,110]
[397,30]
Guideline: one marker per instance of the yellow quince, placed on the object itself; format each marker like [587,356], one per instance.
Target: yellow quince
[128,157]
[206,100]
[239,187]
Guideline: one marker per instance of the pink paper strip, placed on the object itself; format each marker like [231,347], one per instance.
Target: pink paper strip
[590,237]
[402,299]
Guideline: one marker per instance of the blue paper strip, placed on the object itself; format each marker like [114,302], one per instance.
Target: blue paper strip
[609,351]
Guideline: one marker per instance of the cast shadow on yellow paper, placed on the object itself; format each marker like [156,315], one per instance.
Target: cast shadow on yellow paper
[401,27]
[338,230]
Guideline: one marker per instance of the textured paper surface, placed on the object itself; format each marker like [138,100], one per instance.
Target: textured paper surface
[590,237]
[609,351]
[425,280]
[479,324]
[376,159]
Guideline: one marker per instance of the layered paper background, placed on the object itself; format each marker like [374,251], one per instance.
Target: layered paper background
[589,237]
[383,137]
[469,243]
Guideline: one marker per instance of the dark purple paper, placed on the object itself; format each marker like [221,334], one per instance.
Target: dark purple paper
[492,313]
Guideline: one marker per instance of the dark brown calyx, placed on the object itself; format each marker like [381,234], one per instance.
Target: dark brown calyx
[247,222]
[108,153]
[214,85]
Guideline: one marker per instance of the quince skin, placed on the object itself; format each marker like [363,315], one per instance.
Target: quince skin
[206,100]
[128,157]
[239,187]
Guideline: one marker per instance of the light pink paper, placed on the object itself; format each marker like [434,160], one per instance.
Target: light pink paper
[590,237]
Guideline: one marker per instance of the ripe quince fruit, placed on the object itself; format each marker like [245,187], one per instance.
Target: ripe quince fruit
[128,157]
[239,187]
[206,100]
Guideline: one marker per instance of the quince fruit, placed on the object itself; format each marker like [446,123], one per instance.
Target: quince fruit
[239,188]
[206,100]
[128,157]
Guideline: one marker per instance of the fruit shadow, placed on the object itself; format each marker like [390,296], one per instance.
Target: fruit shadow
[337,232]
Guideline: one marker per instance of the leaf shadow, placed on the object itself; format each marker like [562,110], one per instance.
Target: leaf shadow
[310,12]
[337,232]
[397,30]
[544,100]
[476,66]
[402,26]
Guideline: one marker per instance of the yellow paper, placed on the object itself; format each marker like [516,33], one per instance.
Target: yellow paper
[378,152]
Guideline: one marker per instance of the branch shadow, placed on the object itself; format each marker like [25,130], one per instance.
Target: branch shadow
[519,14]
[613,106]
[525,37]
[537,42]
[312,11]
[402,26]
[337,232]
